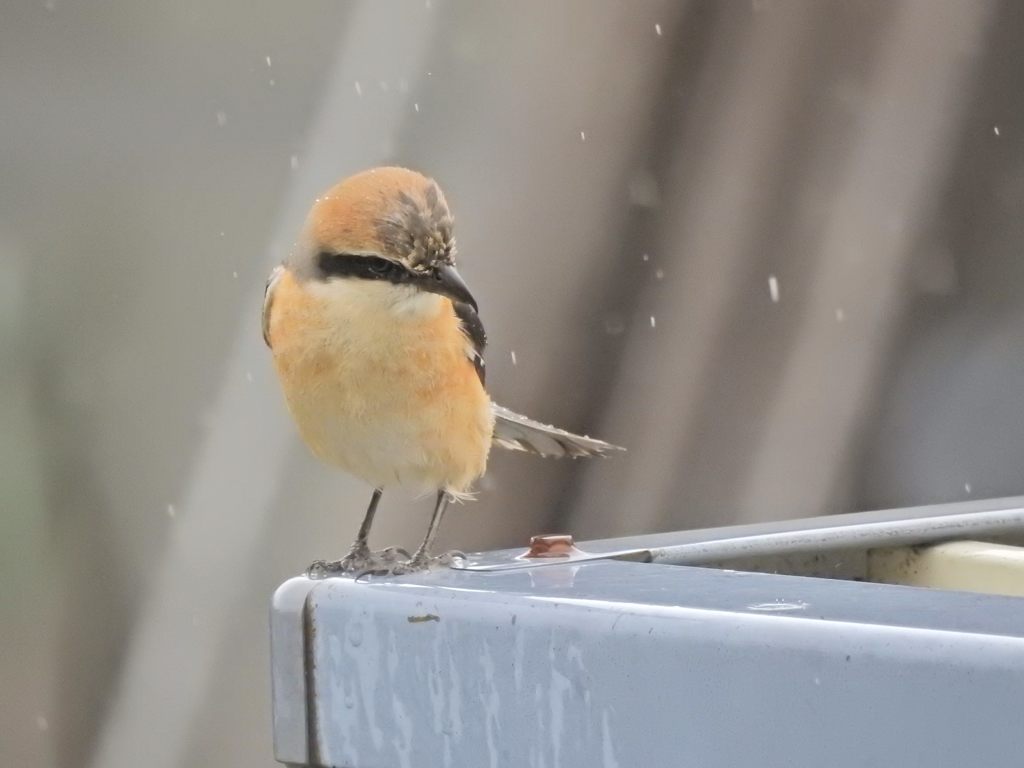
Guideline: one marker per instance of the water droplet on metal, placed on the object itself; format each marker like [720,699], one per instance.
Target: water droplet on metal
[355,634]
[779,605]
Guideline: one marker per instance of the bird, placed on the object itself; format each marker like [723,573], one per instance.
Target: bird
[379,348]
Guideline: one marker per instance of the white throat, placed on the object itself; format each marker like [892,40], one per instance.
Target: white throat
[373,298]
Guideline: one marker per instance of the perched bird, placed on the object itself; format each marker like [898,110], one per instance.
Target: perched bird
[379,347]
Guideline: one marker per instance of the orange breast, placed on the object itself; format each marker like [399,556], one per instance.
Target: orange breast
[379,383]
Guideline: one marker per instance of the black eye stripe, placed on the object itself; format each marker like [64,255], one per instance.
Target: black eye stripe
[362,267]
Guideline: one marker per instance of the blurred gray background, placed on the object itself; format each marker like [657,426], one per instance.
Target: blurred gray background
[772,246]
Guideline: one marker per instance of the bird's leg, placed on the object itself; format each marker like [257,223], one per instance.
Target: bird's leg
[421,559]
[385,562]
[359,557]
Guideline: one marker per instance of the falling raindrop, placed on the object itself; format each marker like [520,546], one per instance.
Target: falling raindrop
[583,136]
[171,511]
[773,288]
[995,129]
[967,487]
[268,61]
[222,118]
[652,321]
[513,357]
[293,161]
[234,274]
[416,106]
[359,89]
[657,29]
[659,274]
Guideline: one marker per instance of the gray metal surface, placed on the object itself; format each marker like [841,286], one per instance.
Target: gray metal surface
[609,663]
[745,545]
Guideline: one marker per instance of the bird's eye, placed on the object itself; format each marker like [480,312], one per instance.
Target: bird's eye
[381,267]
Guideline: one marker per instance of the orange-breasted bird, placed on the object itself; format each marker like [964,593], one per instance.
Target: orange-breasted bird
[379,347]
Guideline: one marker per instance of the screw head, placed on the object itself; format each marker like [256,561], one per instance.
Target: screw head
[552,545]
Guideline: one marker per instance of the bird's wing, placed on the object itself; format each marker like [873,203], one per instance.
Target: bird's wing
[268,300]
[519,433]
[474,330]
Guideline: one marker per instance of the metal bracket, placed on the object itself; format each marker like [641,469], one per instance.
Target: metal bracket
[547,549]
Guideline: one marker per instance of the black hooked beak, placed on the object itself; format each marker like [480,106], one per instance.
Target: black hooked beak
[444,280]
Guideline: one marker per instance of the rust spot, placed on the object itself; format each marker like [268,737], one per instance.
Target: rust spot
[424,617]
[552,545]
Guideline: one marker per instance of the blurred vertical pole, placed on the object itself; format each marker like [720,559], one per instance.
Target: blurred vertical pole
[166,674]
[30,601]
[787,388]
[744,94]
[892,181]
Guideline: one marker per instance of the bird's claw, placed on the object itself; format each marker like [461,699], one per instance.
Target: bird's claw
[321,569]
[445,559]
[420,563]
[358,563]
[390,555]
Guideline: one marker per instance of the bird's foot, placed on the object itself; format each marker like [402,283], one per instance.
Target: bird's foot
[419,563]
[321,569]
[359,563]
[389,556]
[358,560]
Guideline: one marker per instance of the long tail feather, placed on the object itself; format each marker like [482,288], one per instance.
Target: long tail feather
[519,433]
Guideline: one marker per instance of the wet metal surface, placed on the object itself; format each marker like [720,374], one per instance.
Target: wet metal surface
[608,663]
[820,546]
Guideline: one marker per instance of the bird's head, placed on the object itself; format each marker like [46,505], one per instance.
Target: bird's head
[385,224]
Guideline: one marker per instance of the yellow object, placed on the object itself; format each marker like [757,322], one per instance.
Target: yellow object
[969,566]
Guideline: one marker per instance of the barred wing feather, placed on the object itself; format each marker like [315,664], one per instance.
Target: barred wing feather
[519,433]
